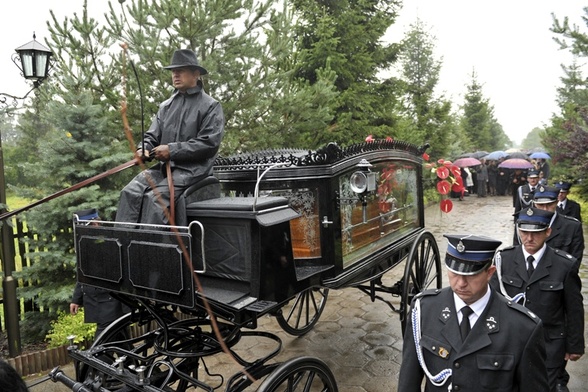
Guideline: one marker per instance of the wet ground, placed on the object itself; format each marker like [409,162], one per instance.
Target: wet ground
[361,340]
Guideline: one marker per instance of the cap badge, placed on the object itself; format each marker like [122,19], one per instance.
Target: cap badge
[443,353]
[460,247]
[530,212]
[541,189]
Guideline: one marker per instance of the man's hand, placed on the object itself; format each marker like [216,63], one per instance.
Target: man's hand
[142,155]
[161,153]
[73,308]
[573,357]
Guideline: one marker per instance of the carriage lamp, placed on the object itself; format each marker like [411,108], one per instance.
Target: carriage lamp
[362,182]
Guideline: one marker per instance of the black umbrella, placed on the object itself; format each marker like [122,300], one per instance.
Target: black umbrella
[479,154]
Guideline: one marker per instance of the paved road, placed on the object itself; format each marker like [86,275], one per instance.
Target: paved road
[360,340]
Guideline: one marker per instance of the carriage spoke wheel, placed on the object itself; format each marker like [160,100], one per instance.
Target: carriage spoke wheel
[422,272]
[302,374]
[299,315]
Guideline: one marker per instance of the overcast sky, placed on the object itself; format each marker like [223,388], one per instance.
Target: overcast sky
[507,42]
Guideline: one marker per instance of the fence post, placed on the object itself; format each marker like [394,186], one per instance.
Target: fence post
[8,282]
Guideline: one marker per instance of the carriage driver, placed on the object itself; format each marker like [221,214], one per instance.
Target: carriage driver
[467,337]
[184,137]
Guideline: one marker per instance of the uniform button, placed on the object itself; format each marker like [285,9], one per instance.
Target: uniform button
[457,365]
[434,348]
[495,364]
[456,388]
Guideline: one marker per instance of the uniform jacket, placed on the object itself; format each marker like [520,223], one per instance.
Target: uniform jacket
[567,235]
[99,306]
[504,351]
[553,293]
[523,199]
[571,209]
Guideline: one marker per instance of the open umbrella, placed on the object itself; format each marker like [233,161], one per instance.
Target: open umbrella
[517,155]
[479,154]
[495,155]
[466,162]
[516,163]
[540,155]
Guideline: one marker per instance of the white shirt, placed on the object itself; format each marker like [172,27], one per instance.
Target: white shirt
[477,307]
[538,255]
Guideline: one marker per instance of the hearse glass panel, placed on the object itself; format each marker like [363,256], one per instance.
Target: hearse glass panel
[375,219]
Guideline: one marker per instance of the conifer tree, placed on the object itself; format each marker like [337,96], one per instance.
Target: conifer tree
[429,114]
[347,38]
[477,121]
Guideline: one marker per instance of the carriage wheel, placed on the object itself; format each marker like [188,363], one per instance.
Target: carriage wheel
[298,316]
[422,271]
[302,374]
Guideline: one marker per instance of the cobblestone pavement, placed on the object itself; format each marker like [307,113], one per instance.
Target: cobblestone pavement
[361,340]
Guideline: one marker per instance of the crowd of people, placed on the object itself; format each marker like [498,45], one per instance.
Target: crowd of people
[489,179]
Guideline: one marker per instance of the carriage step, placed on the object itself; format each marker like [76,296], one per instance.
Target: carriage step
[261,306]
[303,272]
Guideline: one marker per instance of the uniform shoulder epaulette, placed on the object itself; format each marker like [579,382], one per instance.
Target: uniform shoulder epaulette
[569,217]
[508,248]
[523,310]
[565,255]
[428,292]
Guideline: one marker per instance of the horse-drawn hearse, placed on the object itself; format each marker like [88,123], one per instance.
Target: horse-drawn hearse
[269,233]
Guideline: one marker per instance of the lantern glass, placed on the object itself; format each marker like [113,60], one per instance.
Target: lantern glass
[26,59]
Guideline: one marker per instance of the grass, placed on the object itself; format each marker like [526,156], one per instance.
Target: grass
[15,202]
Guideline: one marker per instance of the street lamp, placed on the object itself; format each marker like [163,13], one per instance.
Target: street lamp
[35,61]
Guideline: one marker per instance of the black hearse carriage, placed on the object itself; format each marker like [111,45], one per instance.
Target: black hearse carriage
[270,233]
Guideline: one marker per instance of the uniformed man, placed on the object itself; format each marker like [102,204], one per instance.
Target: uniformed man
[566,232]
[566,206]
[546,281]
[468,337]
[524,195]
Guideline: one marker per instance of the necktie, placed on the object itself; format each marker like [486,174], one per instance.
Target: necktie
[560,205]
[464,327]
[530,268]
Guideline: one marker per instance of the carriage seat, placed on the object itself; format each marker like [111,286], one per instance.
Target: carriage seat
[207,188]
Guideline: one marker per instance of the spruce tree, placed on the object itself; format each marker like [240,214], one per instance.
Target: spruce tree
[429,114]
[477,121]
[347,38]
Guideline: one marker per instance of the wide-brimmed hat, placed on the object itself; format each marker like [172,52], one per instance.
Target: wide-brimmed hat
[186,58]
[469,254]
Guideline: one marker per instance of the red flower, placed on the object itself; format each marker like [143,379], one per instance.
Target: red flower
[426,156]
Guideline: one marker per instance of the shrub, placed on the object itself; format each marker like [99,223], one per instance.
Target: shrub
[68,324]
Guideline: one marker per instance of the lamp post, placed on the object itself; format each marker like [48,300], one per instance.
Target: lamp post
[35,63]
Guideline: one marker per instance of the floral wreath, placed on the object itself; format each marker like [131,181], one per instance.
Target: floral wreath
[449,179]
